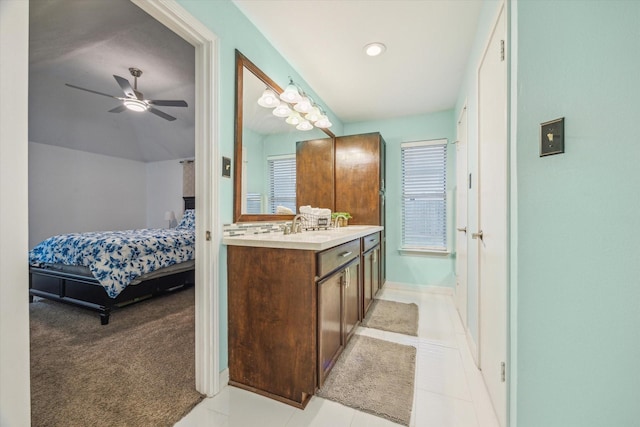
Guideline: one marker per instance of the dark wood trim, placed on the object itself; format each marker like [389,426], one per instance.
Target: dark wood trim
[241,63]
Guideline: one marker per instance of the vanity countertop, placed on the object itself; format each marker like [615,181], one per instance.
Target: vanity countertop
[307,240]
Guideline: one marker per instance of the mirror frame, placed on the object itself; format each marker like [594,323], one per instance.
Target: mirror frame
[241,63]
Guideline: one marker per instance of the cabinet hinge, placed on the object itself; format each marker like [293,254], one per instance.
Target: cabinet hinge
[501,50]
[503,372]
[207,235]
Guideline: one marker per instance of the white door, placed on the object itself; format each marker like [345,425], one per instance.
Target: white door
[462,186]
[491,236]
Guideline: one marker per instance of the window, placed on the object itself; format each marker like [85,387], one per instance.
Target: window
[282,182]
[424,196]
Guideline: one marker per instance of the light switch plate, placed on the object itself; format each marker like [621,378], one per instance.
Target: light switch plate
[226,167]
[552,137]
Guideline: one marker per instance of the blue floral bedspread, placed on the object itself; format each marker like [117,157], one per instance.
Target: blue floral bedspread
[117,257]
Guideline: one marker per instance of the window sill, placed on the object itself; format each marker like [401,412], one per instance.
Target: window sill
[423,252]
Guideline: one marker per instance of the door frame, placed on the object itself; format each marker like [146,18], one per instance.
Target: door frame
[207,310]
[502,10]
[462,297]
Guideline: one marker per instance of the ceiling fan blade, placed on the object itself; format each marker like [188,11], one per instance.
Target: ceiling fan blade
[161,114]
[126,87]
[92,91]
[118,109]
[168,103]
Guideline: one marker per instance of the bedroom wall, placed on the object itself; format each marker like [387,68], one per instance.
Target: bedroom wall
[163,192]
[412,269]
[76,191]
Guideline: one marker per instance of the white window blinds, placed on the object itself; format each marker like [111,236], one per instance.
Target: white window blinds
[282,182]
[424,196]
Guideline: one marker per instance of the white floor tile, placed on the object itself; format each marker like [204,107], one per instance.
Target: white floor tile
[449,389]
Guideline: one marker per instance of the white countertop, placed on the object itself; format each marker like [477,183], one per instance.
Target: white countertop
[307,240]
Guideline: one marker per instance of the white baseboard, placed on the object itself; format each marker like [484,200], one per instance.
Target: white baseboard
[224,378]
[473,348]
[442,290]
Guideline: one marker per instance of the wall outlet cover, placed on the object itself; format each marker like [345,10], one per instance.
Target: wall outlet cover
[552,137]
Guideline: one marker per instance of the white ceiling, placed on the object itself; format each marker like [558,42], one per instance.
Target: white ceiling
[86,42]
[428,44]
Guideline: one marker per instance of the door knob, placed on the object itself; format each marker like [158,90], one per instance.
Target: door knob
[477,235]
[463,229]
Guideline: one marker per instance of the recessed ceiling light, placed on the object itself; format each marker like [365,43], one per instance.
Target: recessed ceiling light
[374,49]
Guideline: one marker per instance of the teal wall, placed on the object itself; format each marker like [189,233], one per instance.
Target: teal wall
[578,241]
[235,31]
[427,269]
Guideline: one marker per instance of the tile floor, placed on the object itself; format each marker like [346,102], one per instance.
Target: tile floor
[449,389]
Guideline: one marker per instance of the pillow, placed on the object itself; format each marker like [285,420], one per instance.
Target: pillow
[188,219]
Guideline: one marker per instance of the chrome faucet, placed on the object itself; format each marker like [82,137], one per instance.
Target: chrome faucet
[296,224]
[336,223]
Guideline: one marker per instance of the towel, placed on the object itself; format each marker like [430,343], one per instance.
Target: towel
[283,210]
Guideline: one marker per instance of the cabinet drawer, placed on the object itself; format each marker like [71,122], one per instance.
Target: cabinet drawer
[370,241]
[333,258]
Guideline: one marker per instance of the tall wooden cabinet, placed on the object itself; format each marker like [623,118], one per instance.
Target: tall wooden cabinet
[345,174]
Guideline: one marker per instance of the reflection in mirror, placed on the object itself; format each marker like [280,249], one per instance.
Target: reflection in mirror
[265,151]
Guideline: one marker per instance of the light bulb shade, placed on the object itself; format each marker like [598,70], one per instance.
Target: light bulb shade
[313,114]
[304,125]
[323,122]
[282,110]
[303,106]
[291,94]
[294,118]
[269,99]
[135,105]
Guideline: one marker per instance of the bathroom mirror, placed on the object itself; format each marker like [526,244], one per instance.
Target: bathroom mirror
[260,137]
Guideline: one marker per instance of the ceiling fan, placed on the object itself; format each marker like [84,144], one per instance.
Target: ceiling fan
[134,100]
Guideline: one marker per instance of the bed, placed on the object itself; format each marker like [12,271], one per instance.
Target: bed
[104,270]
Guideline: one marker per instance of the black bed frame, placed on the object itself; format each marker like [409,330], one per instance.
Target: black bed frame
[87,292]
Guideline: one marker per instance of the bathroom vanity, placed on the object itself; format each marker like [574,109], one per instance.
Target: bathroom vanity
[294,302]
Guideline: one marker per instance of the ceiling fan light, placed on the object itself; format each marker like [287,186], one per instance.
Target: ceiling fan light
[294,118]
[304,125]
[135,105]
[323,122]
[282,110]
[313,115]
[303,106]
[269,99]
[291,94]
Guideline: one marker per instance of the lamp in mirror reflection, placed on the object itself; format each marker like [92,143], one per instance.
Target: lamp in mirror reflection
[296,106]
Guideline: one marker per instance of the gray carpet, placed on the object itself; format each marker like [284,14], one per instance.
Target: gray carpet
[137,371]
[393,316]
[374,376]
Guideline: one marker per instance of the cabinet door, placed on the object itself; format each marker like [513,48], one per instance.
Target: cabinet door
[367,281]
[358,177]
[330,332]
[314,173]
[351,299]
[376,283]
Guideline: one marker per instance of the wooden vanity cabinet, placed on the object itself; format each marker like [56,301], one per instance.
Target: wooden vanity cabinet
[272,302]
[314,173]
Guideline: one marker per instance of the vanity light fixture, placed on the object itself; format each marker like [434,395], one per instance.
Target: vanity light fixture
[304,125]
[282,110]
[269,99]
[374,49]
[135,105]
[298,107]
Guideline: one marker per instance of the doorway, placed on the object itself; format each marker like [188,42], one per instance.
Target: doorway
[492,234]
[462,170]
